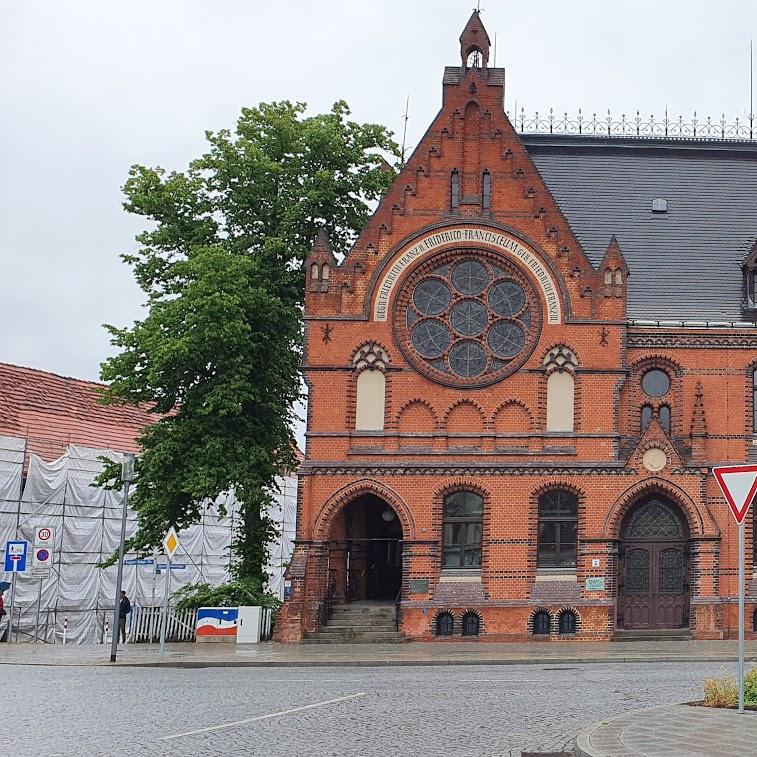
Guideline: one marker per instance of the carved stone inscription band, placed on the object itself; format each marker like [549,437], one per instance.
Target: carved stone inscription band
[467,234]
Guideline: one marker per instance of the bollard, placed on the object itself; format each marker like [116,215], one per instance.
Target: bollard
[107,627]
[65,630]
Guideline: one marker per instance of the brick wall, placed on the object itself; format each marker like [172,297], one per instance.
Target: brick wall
[492,439]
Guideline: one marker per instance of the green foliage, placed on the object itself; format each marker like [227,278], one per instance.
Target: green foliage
[232,594]
[750,687]
[217,356]
[721,691]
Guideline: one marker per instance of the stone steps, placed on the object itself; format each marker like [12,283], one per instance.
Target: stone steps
[358,624]
[658,634]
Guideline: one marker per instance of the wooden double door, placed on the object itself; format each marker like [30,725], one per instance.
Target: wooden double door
[654,585]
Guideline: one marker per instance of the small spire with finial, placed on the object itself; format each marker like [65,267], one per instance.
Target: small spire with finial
[475,42]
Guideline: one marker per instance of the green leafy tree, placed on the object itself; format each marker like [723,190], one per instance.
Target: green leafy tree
[217,357]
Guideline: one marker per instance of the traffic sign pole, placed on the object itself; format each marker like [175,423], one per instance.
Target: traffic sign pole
[13,606]
[741,617]
[164,624]
[739,486]
[127,475]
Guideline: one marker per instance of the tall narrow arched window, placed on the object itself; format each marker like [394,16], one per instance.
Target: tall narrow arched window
[314,271]
[754,401]
[455,189]
[371,396]
[325,271]
[646,416]
[370,362]
[462,530]
[558,530]
[486,195]
[608,277]
[560,393]
[560,389]
[665,417]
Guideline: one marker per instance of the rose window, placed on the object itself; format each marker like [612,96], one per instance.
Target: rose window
[467,317]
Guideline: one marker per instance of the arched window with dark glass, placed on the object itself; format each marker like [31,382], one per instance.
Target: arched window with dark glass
[754,621]
[486,195]
[463,528]
[567,624]
[665,417]
[646,416]
[445,624]
[754,401]
[471,624]
[455,189]
[542,623]
[558,529]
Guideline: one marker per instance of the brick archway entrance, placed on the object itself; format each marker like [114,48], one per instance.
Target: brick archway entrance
[653,581]
[365,551]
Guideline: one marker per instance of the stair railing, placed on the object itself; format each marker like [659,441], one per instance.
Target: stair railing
[397,609]
[327,606]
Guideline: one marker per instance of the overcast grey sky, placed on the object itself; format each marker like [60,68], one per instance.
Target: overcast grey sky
[89,87]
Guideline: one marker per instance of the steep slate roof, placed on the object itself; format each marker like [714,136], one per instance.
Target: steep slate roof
[684,264]
[54,411]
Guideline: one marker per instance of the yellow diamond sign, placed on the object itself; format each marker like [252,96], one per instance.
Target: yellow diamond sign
[170,543]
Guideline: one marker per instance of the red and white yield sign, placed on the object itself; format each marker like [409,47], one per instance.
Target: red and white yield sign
[739,485]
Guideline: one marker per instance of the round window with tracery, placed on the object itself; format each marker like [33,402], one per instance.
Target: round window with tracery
[467,317]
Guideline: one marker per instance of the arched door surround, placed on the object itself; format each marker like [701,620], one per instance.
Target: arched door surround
[365,550]
[653,579]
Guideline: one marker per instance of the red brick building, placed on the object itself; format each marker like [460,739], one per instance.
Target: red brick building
[520,378]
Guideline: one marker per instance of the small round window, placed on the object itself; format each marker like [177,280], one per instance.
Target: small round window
[655,383]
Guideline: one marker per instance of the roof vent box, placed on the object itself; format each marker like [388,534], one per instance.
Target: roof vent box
[659,205]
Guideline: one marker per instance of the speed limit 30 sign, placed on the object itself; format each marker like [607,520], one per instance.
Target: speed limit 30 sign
[44,536]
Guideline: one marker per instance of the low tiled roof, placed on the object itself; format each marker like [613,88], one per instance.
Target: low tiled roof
[684,264]
[53,411]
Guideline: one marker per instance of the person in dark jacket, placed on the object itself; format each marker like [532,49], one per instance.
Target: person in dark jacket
[124,608]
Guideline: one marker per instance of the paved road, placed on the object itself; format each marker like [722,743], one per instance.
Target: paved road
[487,710]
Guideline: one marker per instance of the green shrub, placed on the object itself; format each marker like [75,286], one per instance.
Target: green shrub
[721,691]
[750,687]
[231,594]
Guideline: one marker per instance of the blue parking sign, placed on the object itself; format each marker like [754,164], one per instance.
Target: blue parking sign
[15,556]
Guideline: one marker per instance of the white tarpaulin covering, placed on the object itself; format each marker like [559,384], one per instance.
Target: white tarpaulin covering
[87,523]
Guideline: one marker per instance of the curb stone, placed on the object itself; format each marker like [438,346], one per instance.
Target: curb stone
[197,664]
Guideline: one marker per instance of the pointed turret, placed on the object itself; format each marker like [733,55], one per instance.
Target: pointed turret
[475,43]
[613,267]
[320,263]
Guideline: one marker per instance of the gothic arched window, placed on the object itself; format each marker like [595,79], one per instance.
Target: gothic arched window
[445,624]
[462,530]
[558,529]
[471,624]
[542,623]
[560,362]
[567,624]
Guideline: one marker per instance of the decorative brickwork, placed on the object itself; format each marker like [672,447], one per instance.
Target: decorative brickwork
[467,354]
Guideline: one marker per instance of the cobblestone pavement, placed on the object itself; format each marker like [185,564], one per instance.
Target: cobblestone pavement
[482,710]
